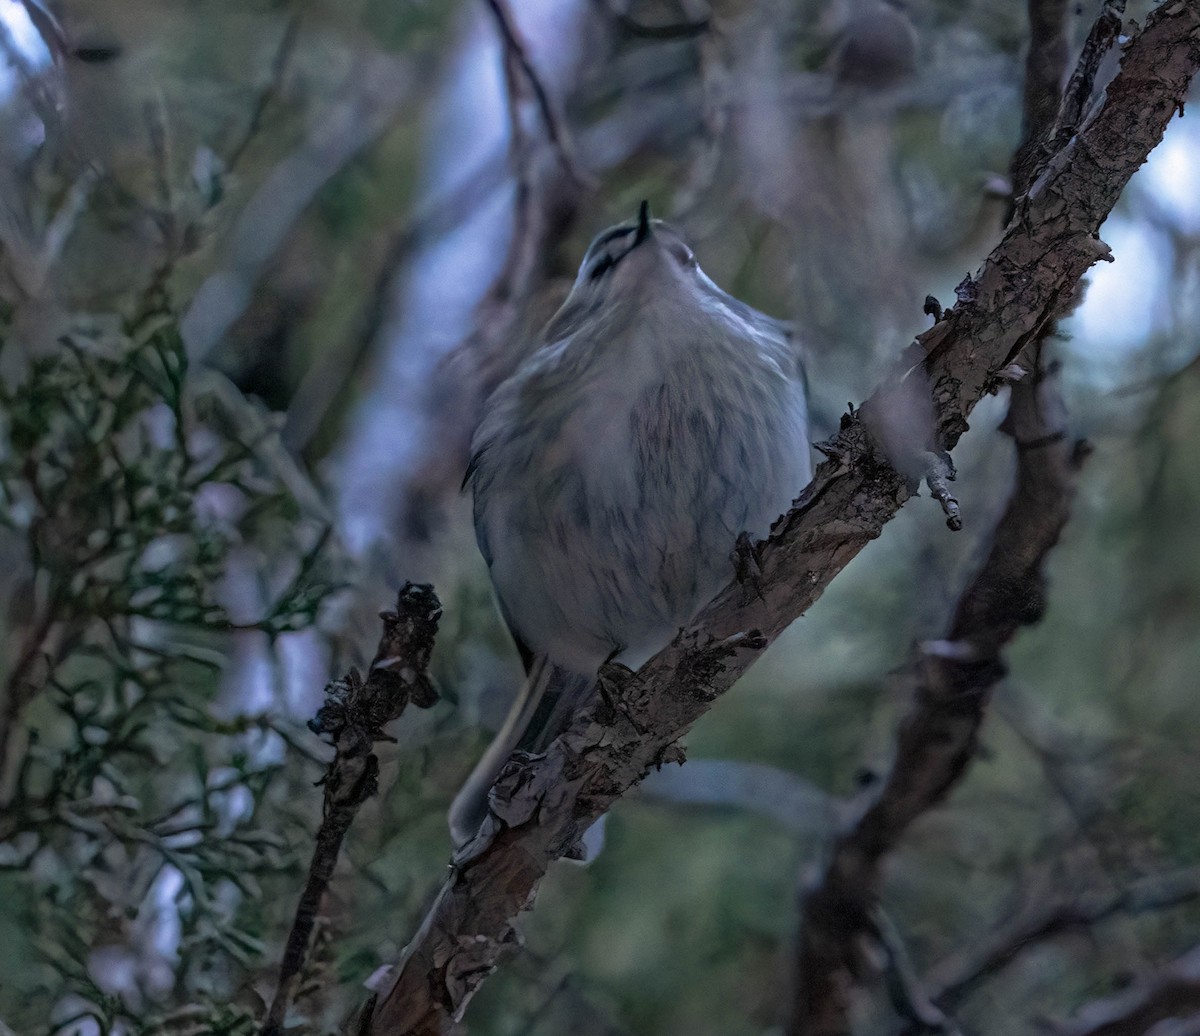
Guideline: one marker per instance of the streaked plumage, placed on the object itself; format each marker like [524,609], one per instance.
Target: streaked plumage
[613,472]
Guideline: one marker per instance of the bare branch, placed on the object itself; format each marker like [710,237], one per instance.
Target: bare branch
[1051,113]
[542,804]
[555,130]
[1172,993]
[49,29]
[1045,64]
[1104,33]
[283,53]
[547,197]
[952,980]
[952,684]
[351,124]
[909,1000]
[354,714]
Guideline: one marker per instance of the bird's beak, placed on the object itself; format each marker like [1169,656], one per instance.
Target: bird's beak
[643,227]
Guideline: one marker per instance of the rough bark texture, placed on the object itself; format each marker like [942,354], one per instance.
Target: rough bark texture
[1045,62]
[542,803]
[951,686]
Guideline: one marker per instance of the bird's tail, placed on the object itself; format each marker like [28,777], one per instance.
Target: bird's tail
[558,692]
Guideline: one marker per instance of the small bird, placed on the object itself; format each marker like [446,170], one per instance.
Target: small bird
[657,420]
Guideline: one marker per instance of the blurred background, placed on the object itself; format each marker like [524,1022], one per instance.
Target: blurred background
[261,262]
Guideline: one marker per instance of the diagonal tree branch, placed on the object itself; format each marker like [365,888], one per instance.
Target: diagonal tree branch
[541,804]
[1172,993]
[953,979]
[555,129]
[951,687]
[1045,63]
[951,683]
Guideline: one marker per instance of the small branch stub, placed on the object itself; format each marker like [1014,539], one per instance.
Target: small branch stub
[352,718]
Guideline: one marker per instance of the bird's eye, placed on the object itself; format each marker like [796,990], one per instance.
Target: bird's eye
[684,255]
[600,267]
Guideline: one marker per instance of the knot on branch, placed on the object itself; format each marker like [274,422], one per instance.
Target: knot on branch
[520,790]
[955,676]
[351,784]
[618,696]
[703,659]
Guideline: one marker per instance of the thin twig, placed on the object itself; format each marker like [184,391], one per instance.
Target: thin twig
[20,690]
[1059,765]
[266,96]
[556,131]
[354,714]
[952,980]
[49,29]
[546,198]
[1172,993]
[909,1000]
